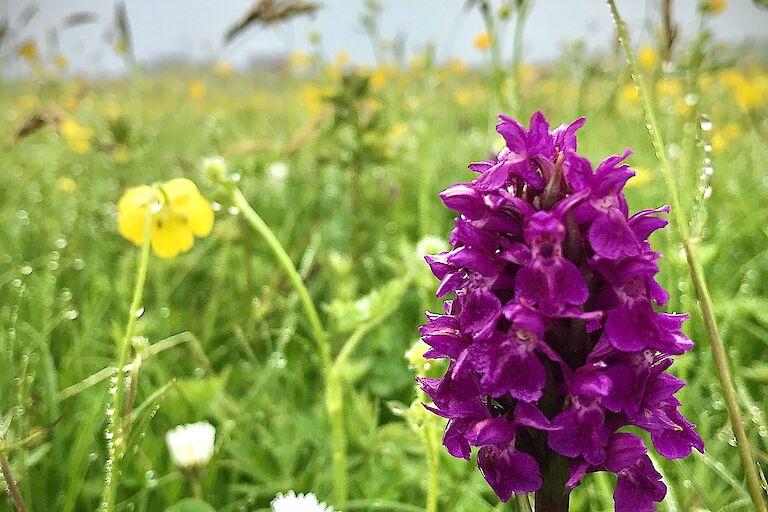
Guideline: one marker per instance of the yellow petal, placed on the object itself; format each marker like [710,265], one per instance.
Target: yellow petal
[179,189]
[199,215]
[132,210]
[169,237]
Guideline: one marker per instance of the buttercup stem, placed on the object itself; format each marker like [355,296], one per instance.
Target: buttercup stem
[10,483]
[115,420]
[333,392]
[697,275]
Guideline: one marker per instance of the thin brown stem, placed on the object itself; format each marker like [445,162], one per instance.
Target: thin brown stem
[10,483]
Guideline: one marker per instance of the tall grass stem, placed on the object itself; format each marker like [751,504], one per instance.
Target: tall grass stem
[333,392]
[115,403]
[697,274]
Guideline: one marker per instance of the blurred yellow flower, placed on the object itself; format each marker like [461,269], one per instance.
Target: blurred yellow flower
[299,60]
[748,95]
[719,143]
[222,68]
[78,137]
[378,78]
[682,108]
[641,177]
[120,154]
[342,59]
[28,101]
[196,89]
[60,61]
[311,97]
[732,130]
[179,213]
[715,6]
[722,138]
[28,51]
[457,66]
[482,41]
[113,110]
[66,185]
[647,58]
[669,87]
[527,73]
[628,94]
[706,81]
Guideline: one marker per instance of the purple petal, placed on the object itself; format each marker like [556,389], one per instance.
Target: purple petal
[508,471]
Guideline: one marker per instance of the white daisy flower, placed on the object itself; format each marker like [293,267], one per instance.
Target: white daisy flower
[293,502]
[191,445]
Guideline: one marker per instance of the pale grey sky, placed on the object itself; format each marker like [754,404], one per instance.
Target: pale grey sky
[194,28]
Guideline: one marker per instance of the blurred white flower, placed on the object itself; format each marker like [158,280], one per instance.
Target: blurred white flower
[191,445]
[293,502]
[277,171]
[215,168]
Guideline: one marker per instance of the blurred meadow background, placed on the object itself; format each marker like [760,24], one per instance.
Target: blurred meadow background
[342,152]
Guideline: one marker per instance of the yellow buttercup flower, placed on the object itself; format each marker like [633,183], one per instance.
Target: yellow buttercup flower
[457,66]
[378,78]
[482,41]
[66,185]
[299,60]
[641,177]
[60,61]
[719,142]
[78,137]
[28,51]
[179,214]
[669,87]
[196,89]
[715,6]
[628,94]
[647,58]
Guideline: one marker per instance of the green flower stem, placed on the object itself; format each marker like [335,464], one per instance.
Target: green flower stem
[115,419]
[497,75]
[333,391]
[517,56]
[697,275]
[430,439]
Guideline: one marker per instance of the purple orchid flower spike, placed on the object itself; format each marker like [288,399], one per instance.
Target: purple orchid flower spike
[554,337]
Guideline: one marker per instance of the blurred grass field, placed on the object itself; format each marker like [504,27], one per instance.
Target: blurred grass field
[344,163]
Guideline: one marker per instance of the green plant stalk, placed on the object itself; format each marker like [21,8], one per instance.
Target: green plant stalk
[333,392]
[697,276]
[115,420]
[517,57]
[429,438]
[497,75]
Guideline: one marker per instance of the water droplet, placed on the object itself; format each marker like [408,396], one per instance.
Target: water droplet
[78,264]
[156,207]
[706,124]
[233,210]
[235,177]
[26,270]
[71,314]
[140,312]
[60,242]
[165,312]
[216,206]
